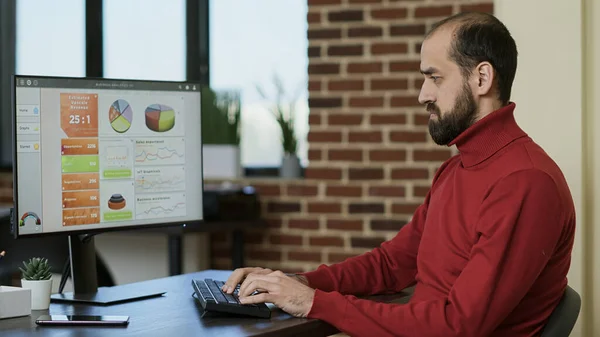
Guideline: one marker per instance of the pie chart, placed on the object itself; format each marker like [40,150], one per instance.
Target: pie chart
[120,115]
[160,117]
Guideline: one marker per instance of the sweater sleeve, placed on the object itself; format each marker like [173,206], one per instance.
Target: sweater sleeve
[520,223]
[388,268]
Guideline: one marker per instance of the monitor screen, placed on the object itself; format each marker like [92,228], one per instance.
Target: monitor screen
[96,154]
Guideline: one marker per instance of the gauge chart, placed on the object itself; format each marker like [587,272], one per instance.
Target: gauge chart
[120,116]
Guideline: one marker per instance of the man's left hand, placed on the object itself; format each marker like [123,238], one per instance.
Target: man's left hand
[285,292]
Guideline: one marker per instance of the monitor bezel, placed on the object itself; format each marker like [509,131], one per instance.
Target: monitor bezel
[93,231]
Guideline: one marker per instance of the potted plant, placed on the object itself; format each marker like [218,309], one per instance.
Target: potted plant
[37,277]
[284,114]
[221,126]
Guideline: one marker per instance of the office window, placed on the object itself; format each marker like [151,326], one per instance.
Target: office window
[250,42]
[47,43]
[144,39]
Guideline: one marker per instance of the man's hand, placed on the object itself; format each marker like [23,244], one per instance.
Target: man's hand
[288,293]
[240,275]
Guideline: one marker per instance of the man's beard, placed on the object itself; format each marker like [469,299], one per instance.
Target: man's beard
[454,122]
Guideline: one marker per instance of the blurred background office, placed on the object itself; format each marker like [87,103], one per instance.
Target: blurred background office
[351,158]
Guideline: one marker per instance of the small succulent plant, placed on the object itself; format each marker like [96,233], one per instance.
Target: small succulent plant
[36,269]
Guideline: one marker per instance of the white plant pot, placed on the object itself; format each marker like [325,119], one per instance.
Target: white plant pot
[221,162]
[40,293]
[290,167]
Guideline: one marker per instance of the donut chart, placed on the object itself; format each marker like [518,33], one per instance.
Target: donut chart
[160,117]
[120,115]
[32,215]
[116,201]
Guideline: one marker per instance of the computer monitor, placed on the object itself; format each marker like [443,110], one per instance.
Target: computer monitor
[97,155]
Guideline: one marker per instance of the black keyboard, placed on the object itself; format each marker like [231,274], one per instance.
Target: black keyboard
[208,293]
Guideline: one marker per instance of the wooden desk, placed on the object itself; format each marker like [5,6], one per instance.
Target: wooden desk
[174,314]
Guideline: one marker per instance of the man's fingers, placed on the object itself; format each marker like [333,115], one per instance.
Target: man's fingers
[236,277]
[259,298]
[262,283]
[253,275]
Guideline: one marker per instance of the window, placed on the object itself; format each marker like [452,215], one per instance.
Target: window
[144,39]
[250,42]
[47,44]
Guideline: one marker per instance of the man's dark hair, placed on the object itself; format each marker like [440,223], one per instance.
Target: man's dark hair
[480,37]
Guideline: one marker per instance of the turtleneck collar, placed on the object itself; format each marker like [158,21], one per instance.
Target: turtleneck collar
[488,135]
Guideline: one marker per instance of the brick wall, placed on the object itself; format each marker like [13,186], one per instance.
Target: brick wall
[371,158]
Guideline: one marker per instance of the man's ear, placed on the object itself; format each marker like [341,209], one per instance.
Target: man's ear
[484,73]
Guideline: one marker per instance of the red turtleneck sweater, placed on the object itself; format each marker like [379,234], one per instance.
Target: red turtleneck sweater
[488,251]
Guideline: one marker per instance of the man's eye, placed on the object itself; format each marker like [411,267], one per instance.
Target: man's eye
[434,78]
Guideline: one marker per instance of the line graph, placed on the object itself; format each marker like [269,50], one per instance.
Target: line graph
[160,151]
[160,206]
[159,179]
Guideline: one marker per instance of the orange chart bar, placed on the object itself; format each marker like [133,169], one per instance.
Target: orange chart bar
[80,181]
[81,199]
[71,146]
[81,216]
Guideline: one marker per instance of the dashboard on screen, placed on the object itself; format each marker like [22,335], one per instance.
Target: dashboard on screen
[94,154]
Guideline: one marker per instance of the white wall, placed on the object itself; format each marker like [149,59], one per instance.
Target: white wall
[552,106]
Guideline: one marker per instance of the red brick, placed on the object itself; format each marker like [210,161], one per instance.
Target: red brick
[433,11]
[389,13]
[365,31]
[314,85]
[315,51]
[363,242]
[324,137]
[322,173]
[339,257]
[345,50]
[431,155]
[418,83]
[302,190]
[345,16]
[408,136]
[326,241]
[365,67]
[389,84]
[366,102]
[386,191]
[389,48]
[324,34]
[283,207]
[304,256]
[410,173]
[389,155]
[283,239]
[313,17]
[404,208]
[403,66]
[345,224]
[366,208]
[323,68]
[303,223]
[420,191]
[387,225]
[365,1]
[315,154]
[324,207]
[345,155]
[274,223]
[421,119]
[365,173]
[267,190]
[365,137]
[345,119]
[314,119]
[387,119]
[346,85]
[405,101]
[324,102]
[344,191]
[483,8]
[323,2]
[407,30]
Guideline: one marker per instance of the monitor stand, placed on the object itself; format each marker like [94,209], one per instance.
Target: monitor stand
[82,255]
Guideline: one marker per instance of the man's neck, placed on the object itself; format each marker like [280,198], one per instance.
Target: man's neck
[487,106]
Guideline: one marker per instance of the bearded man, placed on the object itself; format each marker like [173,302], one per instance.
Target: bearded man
[488,250]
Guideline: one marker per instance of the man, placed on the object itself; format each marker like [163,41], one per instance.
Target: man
[490,247]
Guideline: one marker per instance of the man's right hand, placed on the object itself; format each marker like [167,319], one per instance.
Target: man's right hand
[240,274]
